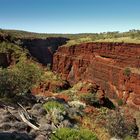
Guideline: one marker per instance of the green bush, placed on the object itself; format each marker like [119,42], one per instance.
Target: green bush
[73,134]
[16,52]
[129,138]
[120,102]
[89,98]
[127,71]
[51,105]
[19,79]
[56,112]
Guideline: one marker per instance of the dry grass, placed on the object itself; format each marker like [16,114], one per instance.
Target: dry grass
[122,39]
[135,70]
[100,131]
[51,77]
[90,39]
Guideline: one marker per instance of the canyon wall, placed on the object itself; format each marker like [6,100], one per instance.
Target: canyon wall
[5,60]
[43,49]
[114,67]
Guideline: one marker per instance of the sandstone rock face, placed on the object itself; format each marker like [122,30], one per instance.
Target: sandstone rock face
[43,49]
[114,67]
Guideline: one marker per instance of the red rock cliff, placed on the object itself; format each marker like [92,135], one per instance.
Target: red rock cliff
[105,64]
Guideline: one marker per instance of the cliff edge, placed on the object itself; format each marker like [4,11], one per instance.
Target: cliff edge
[114,67]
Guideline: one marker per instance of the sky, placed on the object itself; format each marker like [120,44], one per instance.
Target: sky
[70,16]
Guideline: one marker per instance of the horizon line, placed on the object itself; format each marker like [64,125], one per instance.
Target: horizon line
[36,32]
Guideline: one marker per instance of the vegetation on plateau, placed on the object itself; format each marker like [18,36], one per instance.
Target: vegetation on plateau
[131,36]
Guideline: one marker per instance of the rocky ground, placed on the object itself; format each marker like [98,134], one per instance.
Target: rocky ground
[72,114]
[12,126]
[136,115]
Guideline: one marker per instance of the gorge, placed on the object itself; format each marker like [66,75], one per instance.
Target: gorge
[96,83]
[114,67]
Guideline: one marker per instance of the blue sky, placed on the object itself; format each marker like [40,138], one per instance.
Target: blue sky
[70,16]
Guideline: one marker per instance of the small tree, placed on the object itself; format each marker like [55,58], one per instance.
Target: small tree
[19,79]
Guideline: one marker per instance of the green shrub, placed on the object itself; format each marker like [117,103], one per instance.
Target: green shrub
[56,112]
[73,134]
[13,50]
[127,71]
[120,102]
[19,79]
[89,98]
[51,105]
[129,138]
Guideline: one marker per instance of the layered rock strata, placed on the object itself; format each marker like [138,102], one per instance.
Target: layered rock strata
[114,67]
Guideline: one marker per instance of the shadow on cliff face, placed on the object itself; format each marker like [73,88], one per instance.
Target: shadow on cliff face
[105,102]
[4,60]
[109,104]
[43,49]
[14,136]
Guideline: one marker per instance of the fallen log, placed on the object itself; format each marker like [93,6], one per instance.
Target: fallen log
[25,112]
[21,114]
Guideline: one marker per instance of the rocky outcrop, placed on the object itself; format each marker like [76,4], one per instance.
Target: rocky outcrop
[114,67]
[43,49]
[50,86]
